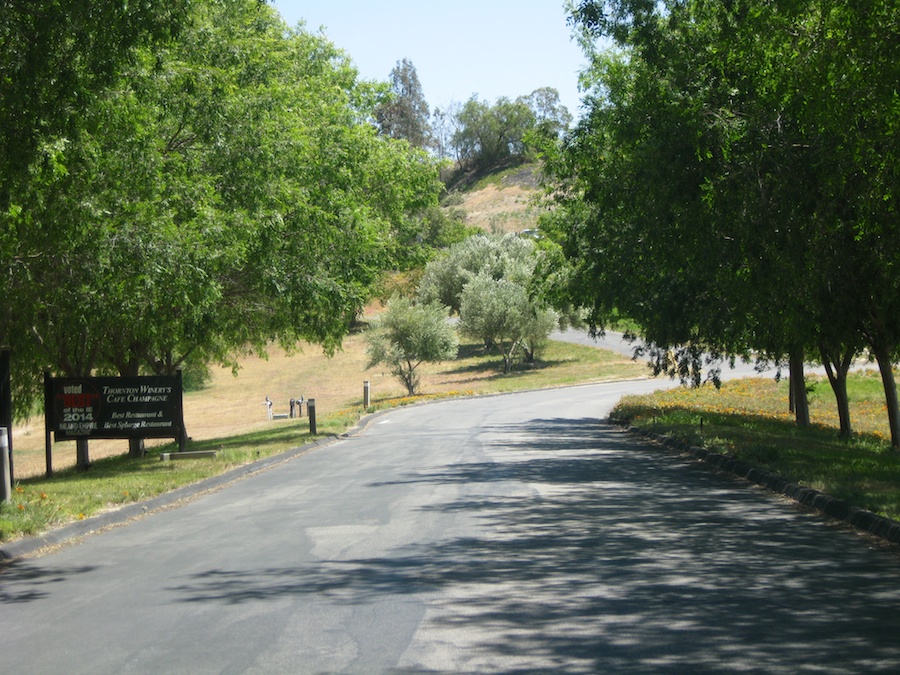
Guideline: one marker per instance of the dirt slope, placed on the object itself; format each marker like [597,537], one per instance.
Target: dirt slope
[504,203]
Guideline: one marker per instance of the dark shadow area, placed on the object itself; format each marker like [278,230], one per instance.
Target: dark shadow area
[493,363]
[21,582]
[600,554]
[863,470]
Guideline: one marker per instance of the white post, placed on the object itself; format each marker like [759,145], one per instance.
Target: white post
[5,476]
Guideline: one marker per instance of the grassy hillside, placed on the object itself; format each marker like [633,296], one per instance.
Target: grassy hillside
[502,201]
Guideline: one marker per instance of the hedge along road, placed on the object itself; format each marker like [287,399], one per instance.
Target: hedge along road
[503,534]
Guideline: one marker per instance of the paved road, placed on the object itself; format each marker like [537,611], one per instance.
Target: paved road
[616,342]
[506,534]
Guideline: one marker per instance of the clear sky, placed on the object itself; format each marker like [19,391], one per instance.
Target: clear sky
[490,48]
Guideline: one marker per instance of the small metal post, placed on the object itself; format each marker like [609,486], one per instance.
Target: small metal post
[366,395]
[311,411]
[5,475]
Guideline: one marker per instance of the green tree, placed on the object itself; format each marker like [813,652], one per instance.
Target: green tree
[727,169]
[407,335]
[491,281]
[489,134]
[56,58]
[486,135]
[498,256]
[500,313]
[551,118]
[57,55]
[405,114]
[224,192]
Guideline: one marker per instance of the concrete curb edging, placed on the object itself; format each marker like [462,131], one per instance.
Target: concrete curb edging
[860,519]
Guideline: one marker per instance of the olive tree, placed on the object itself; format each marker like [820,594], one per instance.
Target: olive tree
[500,313]
[407,335]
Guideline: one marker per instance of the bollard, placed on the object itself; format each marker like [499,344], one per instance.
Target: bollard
[366,398]
[311,413]
[5,476]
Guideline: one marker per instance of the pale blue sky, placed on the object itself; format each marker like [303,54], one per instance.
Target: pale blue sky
[491,48]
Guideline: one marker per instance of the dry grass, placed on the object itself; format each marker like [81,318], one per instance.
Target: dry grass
[497,208]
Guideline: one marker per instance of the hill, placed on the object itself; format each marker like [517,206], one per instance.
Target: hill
[499,201]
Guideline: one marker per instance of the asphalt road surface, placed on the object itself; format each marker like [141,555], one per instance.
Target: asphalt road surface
[506,534]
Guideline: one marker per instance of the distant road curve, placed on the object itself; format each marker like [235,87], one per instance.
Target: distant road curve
[616,342]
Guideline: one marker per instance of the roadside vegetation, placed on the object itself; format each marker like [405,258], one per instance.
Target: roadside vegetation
[749,420]
[733,200]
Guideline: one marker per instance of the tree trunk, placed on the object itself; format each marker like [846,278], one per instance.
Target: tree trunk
[82,454]
[890,393]
[798,389]
[837,366]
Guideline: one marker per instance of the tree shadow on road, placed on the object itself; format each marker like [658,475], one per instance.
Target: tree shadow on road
[21,582]
[577,546]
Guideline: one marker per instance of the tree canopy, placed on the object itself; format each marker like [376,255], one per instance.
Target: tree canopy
[408,334]
[405,114]
[487,134]
[733,184]
[218,190]
[491,282]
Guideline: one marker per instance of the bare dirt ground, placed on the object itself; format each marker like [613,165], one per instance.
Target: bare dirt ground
[507,205]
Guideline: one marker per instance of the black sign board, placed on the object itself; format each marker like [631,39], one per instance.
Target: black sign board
[114,407]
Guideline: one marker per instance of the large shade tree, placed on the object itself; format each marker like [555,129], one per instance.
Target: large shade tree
[57,57]
[223,191]
[732,183]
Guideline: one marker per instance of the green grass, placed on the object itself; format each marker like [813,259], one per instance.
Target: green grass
[750,420]
[497,178]
[41,503]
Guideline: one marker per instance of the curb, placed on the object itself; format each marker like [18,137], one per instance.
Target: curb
[30,545]
[859,519]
